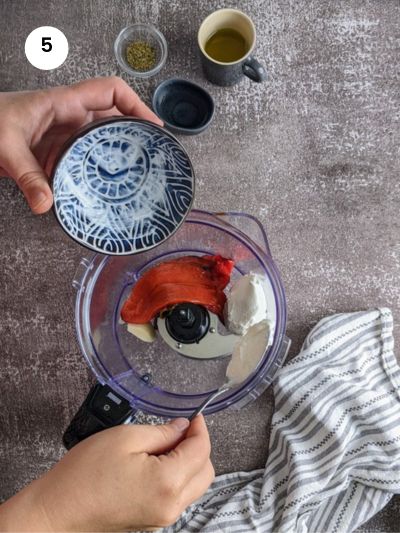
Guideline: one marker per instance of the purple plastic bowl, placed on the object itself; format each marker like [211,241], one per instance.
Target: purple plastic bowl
[153,377]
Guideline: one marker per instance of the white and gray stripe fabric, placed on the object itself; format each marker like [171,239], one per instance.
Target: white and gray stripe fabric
[334,452]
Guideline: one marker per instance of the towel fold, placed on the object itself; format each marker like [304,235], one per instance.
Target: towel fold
[334,452]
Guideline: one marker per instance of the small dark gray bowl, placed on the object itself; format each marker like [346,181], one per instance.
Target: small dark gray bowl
[184,106]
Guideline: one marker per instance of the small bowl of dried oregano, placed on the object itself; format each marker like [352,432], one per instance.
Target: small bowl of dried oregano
[141,50]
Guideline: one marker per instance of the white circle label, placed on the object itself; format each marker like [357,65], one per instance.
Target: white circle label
[46,48]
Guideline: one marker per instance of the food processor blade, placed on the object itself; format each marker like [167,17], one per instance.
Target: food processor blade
[212,345]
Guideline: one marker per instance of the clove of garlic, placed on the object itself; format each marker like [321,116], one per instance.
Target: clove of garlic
[144,332]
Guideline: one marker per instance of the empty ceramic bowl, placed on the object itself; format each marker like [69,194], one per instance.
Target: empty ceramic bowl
[184,106]
[122,186]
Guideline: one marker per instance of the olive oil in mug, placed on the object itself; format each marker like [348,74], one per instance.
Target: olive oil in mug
[226,45]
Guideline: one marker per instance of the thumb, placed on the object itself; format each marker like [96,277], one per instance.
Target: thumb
[21,165]
[156,440]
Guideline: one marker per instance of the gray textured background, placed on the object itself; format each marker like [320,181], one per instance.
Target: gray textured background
[314,153]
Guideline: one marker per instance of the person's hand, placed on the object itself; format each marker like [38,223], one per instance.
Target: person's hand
[35,124]
[124,478]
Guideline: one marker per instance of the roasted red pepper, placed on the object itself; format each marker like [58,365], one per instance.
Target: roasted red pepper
[199,280]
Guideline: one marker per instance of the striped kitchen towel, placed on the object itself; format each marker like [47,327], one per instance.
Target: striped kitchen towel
[334,452]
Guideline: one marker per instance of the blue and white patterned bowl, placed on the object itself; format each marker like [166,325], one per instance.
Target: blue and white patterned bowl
[122,186]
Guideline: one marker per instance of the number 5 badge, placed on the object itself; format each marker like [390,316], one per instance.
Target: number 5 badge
[46,48]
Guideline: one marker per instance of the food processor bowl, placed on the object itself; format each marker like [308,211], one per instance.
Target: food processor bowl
[153,377]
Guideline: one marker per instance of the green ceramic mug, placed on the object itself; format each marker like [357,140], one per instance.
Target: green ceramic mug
[229,73]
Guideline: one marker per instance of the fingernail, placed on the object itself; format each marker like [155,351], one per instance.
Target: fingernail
[180,423]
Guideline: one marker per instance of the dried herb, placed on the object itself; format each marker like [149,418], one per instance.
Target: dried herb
[141,55]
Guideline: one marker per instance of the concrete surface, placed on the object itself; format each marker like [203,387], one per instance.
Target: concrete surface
[313,153]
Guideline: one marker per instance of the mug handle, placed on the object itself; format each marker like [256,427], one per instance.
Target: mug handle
[254,70]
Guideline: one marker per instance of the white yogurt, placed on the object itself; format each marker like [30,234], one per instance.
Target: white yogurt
[246,304]
[249,351]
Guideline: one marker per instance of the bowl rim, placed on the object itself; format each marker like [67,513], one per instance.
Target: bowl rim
[163,44]
[189,83]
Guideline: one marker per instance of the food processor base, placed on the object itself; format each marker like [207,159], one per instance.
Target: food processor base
[103,408]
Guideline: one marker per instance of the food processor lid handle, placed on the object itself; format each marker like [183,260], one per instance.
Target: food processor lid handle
[103,408]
